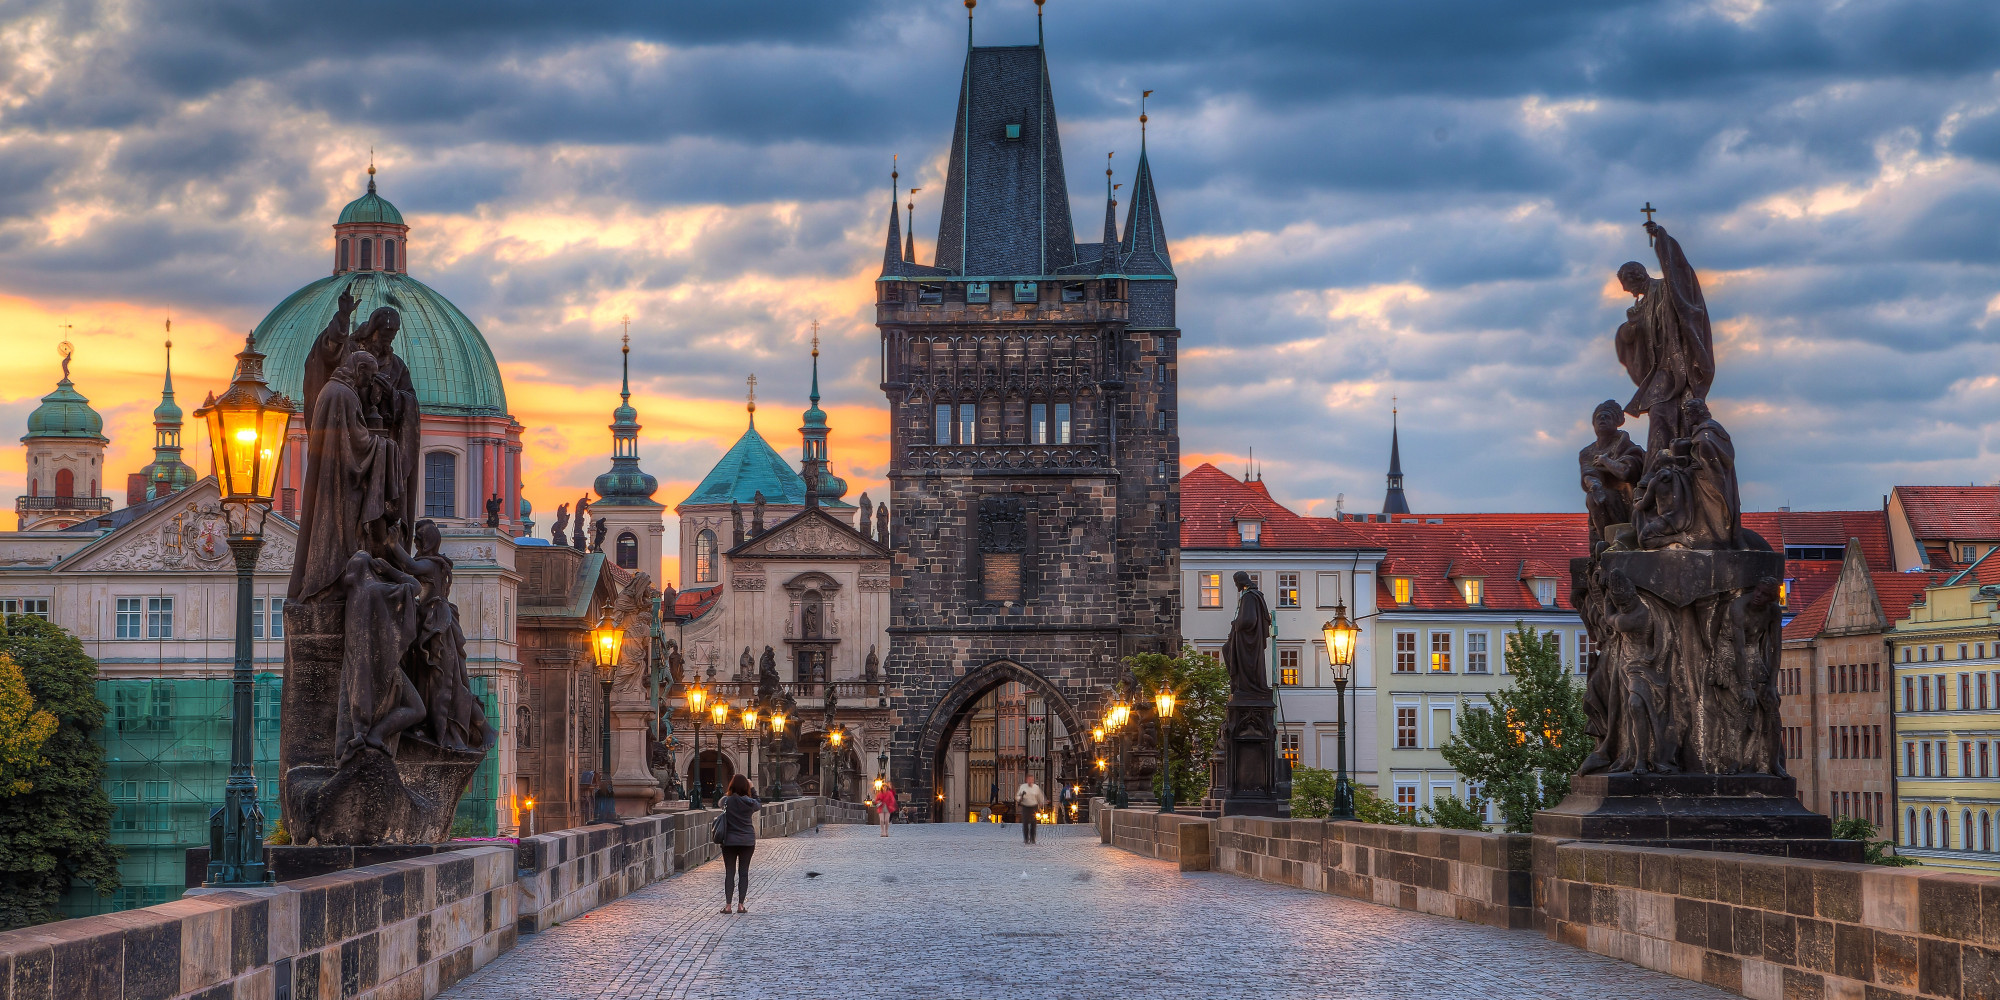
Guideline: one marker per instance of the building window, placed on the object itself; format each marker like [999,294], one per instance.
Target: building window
[1406,800]
[1062,423]
[1038,423]
[1967,553]
[277,605]
[1249,533]
[256,618]
[968,423]
[1288,667]
[1406,728]
[159,617]
[1399,589]
[1474,590]
[1475,653]
[1211,590]
[943,423]
[440,484]
[1406,652]
[1545,592]
[388,255]
[628,550]
[1288,590]
[367,255]
[346,259]
[39,607]
[131,618]
[1586,651]
[1440,652]
[704,557]
[1288,746]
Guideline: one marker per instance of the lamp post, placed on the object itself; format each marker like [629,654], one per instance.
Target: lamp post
[718,713]
[246,432]
[1114,722]
[829,764]
[1340,639]
[1163,702]
[750,747]
[697,700]
[776,741]
[606,641]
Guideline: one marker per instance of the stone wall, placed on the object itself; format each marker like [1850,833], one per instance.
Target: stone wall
[395,930]
[1484,878]
[403,930]
[1187,840]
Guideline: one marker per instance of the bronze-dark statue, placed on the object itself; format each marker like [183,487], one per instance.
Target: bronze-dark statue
[1249,732]
[559,532]
[493,506]
[576,539]
[1665,343]
[1610,467]
[597,530]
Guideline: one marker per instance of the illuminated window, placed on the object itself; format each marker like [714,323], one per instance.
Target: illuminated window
[1288,590]
[1406,728]
[1211,590]
[1288,745]
[1288,667]
[1399,589]
[1406,799]
[1406,652]
[1062,423]
[704,557]
[1475,653]
[1474,590]
[968,423]
[1440,652]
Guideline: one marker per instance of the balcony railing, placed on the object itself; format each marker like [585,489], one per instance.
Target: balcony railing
[851,694]
[1008,457]
[90,505]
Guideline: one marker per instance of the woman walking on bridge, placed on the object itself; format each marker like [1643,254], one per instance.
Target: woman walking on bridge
[885,805]
[739,841]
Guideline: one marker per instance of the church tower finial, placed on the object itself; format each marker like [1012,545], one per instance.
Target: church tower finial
[751,404]
[167,473]
[1394,502]
[821,483]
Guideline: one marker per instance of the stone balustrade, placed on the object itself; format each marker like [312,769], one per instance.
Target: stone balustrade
[401,930]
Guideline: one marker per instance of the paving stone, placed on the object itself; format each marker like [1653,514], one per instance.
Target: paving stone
[963,910]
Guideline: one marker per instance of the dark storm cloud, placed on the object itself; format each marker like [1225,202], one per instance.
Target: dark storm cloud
[1419,199]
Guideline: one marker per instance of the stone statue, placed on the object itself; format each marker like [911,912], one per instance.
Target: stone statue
[559,532]
[757,514]
[377,700]
[1243,654]
[736,518]
[769,688]
[521,740]
[353,482]
[676,663]
[1610,467]
[871,670]
[576,539]
[597,530]
[867,511]
[882,523]
[1682,607]
[746,665]
[1665,343]
[493,511]
[437,660]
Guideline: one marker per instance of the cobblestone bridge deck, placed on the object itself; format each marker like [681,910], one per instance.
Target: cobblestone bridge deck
[958,910]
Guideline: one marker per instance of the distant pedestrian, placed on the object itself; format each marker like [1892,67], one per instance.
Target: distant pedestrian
[1029,799]
[885,805]
[739,841]
[1063,804]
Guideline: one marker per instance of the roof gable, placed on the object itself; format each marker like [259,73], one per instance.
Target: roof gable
[811,534]
[183,532]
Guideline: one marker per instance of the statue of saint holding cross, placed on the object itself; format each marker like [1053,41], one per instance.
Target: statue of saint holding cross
[1665,343]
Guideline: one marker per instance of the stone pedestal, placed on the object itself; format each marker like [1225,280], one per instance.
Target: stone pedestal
[1250,745]
[1742,813]
[633,787]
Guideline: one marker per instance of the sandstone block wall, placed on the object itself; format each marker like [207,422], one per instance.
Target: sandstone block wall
[1484,878]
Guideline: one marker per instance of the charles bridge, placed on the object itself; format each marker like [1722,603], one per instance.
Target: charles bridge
[1140,903]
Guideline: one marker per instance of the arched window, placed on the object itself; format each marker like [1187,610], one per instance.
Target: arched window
[628,550]
[346,255]
[65,483]
[367,255]
[440,474]
[704,557]
[1910,827]
[1967,842]
[388,255]
[1985,831]
[1929,838]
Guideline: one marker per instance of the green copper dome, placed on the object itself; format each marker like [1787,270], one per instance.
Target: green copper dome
[451,366]
[750,467]
[65,413]
[370,207]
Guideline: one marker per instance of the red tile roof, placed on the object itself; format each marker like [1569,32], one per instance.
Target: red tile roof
[1946,513]
[1822,529]
[1897,592]
[692,604]
[1507,550]
[1212,501]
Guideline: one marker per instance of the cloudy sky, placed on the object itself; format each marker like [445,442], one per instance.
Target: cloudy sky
[1423,201]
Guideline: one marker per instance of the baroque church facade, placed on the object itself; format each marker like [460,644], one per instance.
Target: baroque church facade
[1034,455]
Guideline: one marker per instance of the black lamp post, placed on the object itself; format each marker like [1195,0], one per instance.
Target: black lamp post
[829,766]
[774,740]
[246,431]
[1340,639]
[1163,702]
[718,713]
[697,701]
[606,640]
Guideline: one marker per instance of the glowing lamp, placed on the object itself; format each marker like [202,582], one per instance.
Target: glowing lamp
[1097,734]
[606,640]
[837,737]
[777,722]
[246,431]
[750,718]
[1341,636]
[1164,702]
[718,713]
[697,696]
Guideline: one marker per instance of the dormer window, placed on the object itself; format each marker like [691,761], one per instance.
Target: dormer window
[1545,591]
[1399,589]
[1250,533]
[1474,590]
[977,292]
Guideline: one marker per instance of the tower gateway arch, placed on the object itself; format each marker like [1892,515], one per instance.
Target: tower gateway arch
[1034,455]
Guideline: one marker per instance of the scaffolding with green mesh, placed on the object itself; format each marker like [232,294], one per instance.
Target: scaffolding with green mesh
[166,750]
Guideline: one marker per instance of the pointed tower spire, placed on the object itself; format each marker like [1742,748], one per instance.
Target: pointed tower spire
[1393,502]
[1107,260]
[910,229]
[1145,243]
[371,170]
[821,483]
[167,473]
[892,253]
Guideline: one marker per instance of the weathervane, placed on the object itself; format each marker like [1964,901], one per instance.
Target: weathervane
[752,405]
[815,338]
[65,349]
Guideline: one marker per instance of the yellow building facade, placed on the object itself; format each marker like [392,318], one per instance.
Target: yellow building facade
[1947,717]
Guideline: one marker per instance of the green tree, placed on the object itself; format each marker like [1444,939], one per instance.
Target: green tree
[1312,798]
[1522,751]
[1201,691]
[60,830]
[1875,852]
[1454,813]
[24,729]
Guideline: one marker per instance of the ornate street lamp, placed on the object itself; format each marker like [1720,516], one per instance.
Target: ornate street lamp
[246,433]
[1121,712]
[529,805]
[606,641]
[697,700]
[1341,635]
[1163,703]
[829,762]
[718,713]
[776,792]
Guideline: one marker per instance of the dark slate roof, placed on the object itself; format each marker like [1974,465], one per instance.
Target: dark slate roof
[1145,246]
[1006,210]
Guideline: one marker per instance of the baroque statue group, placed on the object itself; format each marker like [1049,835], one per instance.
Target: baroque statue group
[382,731]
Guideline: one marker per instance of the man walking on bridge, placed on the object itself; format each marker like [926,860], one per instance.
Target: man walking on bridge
[1029,799]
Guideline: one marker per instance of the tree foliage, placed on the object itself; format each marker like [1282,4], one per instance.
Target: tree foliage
[1522,751]
[1873,851]
[58,831]
[24,730]
[1454,813]
[1312,798]
[1201,691]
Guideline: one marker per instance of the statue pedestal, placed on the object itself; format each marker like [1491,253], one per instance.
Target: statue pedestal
[633,787]
[1249,740]
[1742,813]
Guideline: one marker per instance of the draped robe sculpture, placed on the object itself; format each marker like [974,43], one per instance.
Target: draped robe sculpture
[1249,732]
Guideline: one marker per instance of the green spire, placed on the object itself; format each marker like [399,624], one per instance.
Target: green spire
[814,460]
[66,413]
[626,485]
[167,473]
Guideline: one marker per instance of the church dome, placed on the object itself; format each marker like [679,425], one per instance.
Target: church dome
[65,413]
[370,207]
[451,366]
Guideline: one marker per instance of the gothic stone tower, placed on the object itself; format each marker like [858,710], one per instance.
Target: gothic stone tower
[1034,456]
